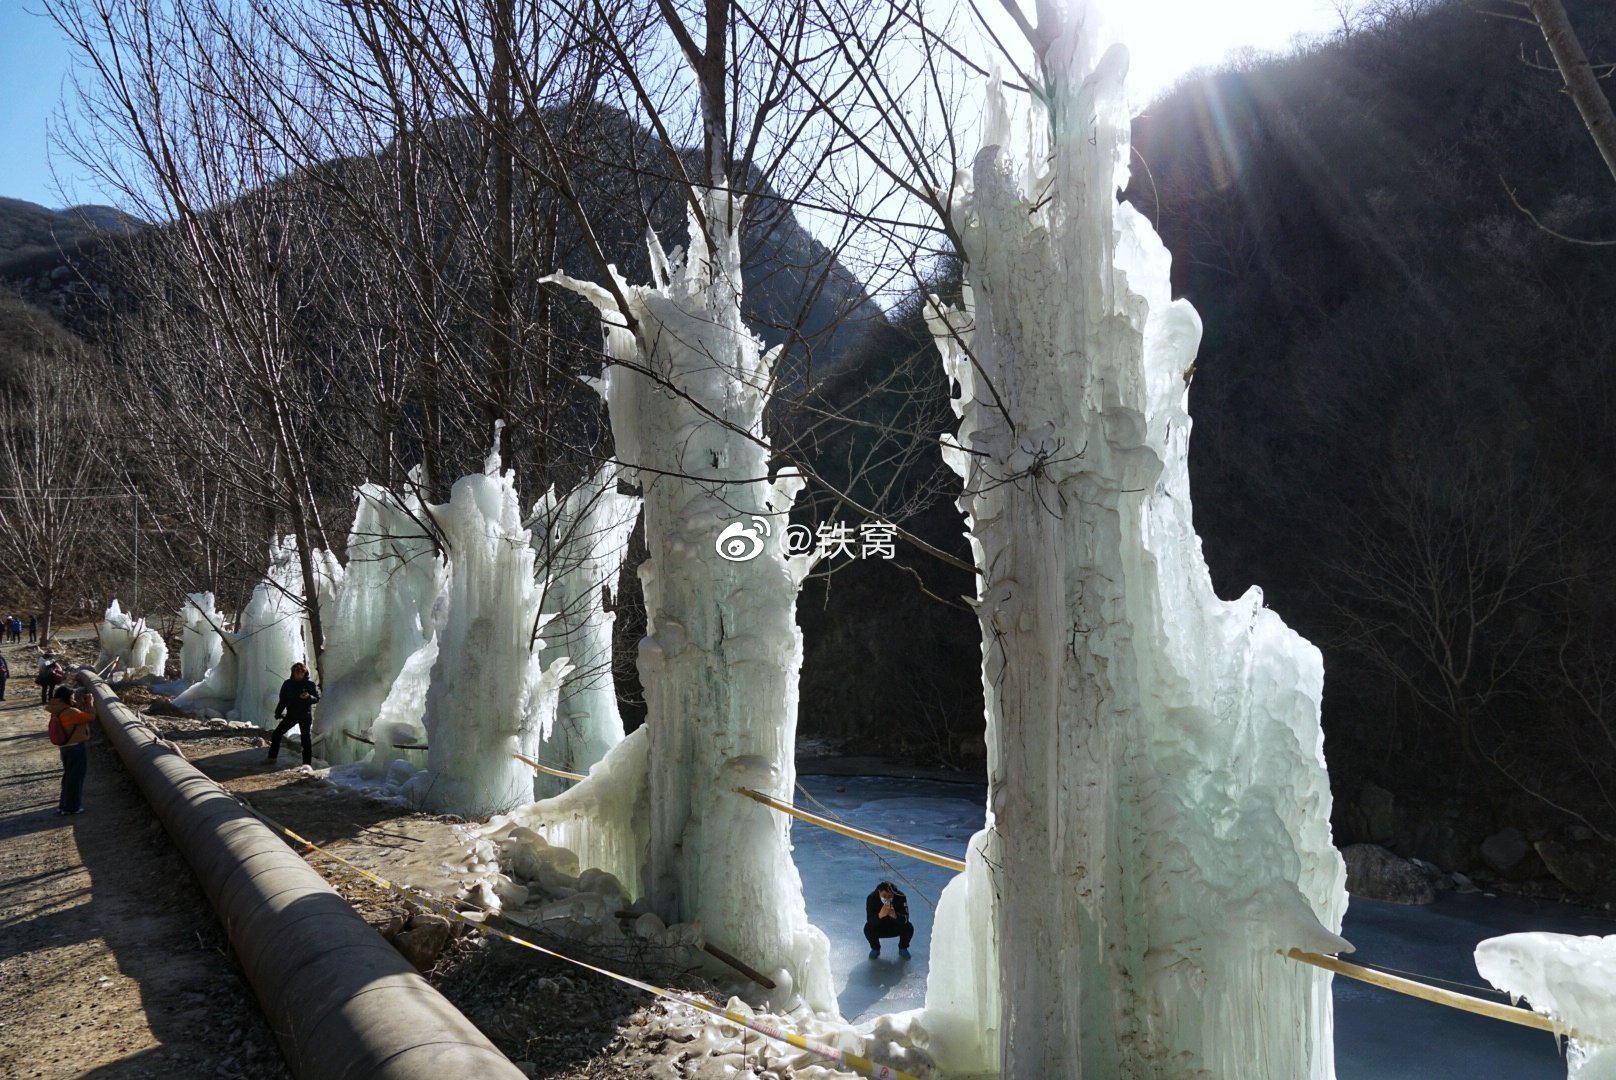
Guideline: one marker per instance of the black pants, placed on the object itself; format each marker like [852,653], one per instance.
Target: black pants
[75,764]
[302,725]
[3,679]
[877,929]
[45,693]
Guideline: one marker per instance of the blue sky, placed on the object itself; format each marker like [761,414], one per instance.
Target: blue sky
[33,66]
[1167,37]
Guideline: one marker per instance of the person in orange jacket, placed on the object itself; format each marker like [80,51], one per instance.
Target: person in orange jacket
[75,752]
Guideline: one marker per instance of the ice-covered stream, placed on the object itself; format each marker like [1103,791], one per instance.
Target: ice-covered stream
[1378,1035]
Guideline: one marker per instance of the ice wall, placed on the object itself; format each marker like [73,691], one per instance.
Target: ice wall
[490,695]
[1159,806]
[380,616]
[272,637]
[580,542]
[201,640]
[722,651]
[1569,979]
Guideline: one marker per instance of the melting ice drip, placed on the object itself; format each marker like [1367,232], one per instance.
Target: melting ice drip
[1569,979]
[1158,819]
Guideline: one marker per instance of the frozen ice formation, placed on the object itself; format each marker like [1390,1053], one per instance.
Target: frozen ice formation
[1158,819]
[129,645]
[202,639]
[722,651]
[273,636]
[490,696]
[1569,979]
[380,616]
[581,541]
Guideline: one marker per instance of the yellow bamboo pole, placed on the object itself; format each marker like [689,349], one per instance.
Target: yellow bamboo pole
[548,770]
[857,834]
[1496,1010]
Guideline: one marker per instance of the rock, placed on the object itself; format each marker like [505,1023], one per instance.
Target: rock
[1376,805]
[1577,870]
[1504,850]
[423,942]
[1463,884]
[1376,874]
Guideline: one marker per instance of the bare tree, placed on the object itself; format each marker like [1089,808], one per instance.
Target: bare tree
[52,483]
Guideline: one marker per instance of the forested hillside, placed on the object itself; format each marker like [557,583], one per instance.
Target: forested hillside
[1405,400]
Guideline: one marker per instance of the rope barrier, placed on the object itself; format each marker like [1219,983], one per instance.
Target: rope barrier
[1453,1000]
[945,861]
[856,1062]
[549,770]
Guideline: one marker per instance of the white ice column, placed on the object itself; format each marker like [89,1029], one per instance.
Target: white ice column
[721,655]
[1159,808]
[381,615]
[581,541]
[201,639]
[272,637]
[490,696]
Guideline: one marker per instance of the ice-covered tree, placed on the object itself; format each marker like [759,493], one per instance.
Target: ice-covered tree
[722,650]
[580,541]
[1158,830]
[381,616]
[202,638]
[490,694]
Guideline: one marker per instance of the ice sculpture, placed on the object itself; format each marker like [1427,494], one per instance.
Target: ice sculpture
[148,655]
[202,639]
[1158,830]
[129,645]
[581,541]
[380,617]
[272,637]
[1572,981]
[490,695]
[116,633]
[722,651]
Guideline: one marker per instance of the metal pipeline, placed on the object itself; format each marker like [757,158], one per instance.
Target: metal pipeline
[341,1000]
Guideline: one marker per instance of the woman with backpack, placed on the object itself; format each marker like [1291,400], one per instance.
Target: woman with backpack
[72,727]
[51,675]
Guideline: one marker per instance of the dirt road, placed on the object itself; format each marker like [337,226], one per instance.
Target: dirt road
[111,964]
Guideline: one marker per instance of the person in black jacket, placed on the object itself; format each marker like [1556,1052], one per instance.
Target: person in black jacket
[298,695]
[886,914]
[5,673]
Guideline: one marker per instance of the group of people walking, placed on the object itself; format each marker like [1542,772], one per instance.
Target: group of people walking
[12,626]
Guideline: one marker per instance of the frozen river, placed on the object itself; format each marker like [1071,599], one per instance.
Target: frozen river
[1379,1034]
